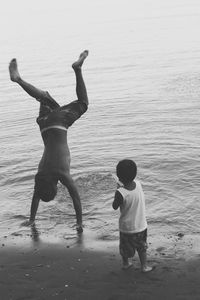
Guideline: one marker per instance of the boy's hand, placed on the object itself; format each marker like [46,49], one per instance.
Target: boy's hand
[28,223]
[79,228]
[119,183]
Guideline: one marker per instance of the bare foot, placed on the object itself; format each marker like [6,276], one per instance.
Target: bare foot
[127,266]
[13,70]
[77,64]
[147,269]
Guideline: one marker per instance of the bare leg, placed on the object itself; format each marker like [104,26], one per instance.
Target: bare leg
[143,261]
[80,85]
[70,185]
[34,92]
[126,263]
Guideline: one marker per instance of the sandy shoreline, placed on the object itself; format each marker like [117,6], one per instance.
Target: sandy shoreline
[31,268]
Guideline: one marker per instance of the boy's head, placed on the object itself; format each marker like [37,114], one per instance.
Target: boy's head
[126,170]
[45,186]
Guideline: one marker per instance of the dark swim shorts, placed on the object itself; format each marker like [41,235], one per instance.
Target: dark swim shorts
[66,115]
[129,243]
[74,111]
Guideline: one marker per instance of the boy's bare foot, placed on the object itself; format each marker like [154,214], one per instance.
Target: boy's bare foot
[147,269]
[127,266]
[13,70]
[78,64]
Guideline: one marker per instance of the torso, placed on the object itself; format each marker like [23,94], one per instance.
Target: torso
[133,217]
[56,155]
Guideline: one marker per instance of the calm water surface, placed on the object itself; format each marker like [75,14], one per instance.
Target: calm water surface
[143,81]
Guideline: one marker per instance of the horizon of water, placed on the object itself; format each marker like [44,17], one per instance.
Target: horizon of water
[143,82]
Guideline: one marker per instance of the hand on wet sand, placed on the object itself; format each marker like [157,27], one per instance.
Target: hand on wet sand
[28,223]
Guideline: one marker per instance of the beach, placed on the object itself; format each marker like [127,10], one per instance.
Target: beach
[35,269]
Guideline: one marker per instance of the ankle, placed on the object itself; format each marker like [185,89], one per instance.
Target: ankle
[77,69]
[147,268]
[18,79]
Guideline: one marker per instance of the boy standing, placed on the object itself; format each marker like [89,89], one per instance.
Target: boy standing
[129,197]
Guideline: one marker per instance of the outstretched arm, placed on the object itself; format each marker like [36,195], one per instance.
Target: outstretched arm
[34,208]
[67,181]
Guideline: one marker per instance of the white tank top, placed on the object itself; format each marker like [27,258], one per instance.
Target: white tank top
[132,218]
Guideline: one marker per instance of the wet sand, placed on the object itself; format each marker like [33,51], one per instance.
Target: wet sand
[42,267]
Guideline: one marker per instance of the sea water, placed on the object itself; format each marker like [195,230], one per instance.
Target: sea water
[143,82]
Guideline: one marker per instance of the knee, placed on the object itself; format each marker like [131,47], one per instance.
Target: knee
[45,95]
[84,107]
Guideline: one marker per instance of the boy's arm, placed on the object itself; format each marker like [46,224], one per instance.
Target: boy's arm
[118,200]
[34,208]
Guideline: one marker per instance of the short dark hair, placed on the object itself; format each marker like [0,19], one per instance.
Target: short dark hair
[126,170]
[45,186]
